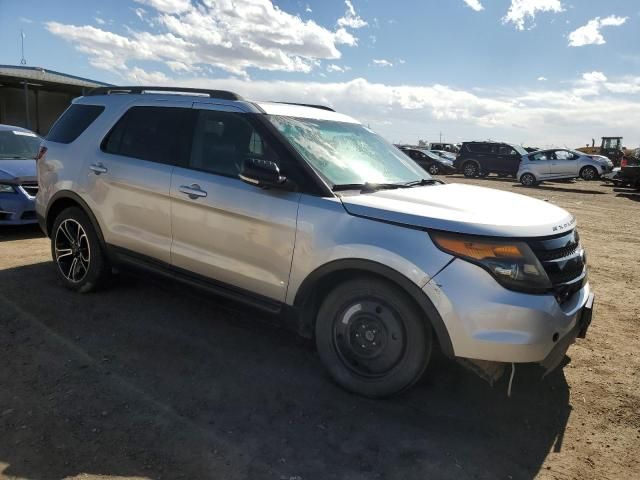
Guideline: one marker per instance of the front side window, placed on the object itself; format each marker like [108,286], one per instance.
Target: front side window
[19,145]
[347,153]
[156,134]
[222,141]
[539,157]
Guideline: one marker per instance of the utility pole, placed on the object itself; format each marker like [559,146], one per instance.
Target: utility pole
[440,137]
[23,61]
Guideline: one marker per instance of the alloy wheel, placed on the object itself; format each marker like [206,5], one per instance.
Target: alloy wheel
[527,179]
[470,170]
[433,169]
[588,173]
[72,251]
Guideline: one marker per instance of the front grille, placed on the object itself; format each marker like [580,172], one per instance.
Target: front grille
[31,188]
[563,259]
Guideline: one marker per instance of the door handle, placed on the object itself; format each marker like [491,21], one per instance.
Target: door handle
[98,168]
[193,191]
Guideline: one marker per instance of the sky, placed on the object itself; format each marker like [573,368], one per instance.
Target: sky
[532,72]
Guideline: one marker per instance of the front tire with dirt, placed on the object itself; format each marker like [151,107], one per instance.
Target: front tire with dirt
[372,337]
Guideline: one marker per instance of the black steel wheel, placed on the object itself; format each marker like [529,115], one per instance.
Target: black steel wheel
[372,338]
[80,259]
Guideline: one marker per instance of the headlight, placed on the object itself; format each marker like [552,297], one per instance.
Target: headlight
[447,162]
[511,263]
[4,188]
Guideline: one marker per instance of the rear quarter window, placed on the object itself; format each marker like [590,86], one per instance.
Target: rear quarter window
[156,134]
[73,122]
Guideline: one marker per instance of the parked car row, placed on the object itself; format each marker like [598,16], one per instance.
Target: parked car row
[479,159]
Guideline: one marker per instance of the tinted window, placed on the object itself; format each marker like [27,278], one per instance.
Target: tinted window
[479,148]
[223,140]
[157,134]
[73,122]
[507,150]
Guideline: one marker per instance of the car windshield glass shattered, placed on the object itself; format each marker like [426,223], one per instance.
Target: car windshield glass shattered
[16,144]
[348,153]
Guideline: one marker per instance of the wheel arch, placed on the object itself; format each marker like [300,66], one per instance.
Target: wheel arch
[319,282]
[63,200]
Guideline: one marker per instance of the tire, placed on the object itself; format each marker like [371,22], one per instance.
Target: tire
[470,169]
[433,169]
[588,173]
[528,180]
[73,239]
[396,341]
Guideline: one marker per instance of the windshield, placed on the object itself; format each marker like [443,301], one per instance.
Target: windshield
[347,153]
[519,149]
[16,144]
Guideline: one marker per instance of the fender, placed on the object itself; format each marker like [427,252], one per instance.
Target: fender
[350,266]
[74,197]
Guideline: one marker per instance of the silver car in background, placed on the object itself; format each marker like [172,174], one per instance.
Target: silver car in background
[558,164]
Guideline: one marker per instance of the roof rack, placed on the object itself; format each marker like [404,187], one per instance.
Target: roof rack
[311,105]
[221,94]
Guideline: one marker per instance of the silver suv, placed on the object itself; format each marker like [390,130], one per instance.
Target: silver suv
[560,163]
[301,210]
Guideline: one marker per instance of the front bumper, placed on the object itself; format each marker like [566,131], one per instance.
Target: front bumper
[485,321]
[17,208]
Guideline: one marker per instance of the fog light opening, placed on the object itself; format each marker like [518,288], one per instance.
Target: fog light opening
[556,336]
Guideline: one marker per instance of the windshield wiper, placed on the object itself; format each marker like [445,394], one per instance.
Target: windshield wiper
[368,187]
[421,182]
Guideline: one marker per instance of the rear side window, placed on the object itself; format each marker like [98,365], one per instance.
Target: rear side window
[479,148]
[156,134]
[73,122]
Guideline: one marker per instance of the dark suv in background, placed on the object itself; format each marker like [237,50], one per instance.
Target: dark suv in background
[482,158]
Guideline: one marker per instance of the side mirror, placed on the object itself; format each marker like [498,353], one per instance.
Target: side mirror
[264,173]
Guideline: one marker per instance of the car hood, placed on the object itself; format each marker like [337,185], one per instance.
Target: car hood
[463,209]
[18,170]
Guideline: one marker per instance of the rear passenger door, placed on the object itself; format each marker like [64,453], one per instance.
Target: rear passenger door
[129,177]
[508,159]
[564,163]
[224,229]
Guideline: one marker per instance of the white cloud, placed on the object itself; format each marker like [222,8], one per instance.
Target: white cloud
[542,79]
[232,36]
[474,5]
[540,117]
[589,34]
[337,68]
[99,21]
[168,6]
[521,9]
[351,19]
[308,9]
[381,62]
[594,77]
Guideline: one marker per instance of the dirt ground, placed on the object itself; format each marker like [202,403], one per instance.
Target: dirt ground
[152,380]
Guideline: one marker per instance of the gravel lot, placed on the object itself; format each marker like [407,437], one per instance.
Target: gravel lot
[152,380]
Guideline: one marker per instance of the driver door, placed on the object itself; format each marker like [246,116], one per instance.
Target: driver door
[224,229]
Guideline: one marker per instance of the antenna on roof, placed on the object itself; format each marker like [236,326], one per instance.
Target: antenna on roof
[23,61]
